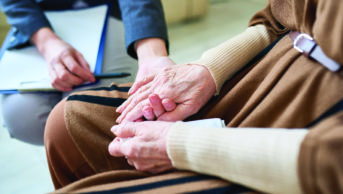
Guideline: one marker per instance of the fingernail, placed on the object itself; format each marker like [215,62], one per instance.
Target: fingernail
[114,129]
[130,90]
[118,119]
[153,98]
[119,109]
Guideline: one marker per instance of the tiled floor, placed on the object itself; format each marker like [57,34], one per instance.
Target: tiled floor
[24,168]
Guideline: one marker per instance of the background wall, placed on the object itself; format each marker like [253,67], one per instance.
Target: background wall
[4,27]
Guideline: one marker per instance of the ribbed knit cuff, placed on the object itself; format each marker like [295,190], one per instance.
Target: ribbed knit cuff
[260,158]
[229,57]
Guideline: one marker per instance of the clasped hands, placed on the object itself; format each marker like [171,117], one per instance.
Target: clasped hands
[173,94]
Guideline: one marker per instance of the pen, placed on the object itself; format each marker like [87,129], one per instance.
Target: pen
[111,75]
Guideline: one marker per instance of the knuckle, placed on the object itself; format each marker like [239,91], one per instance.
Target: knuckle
[54,60]
[133,151]
[140,167]
[65,53]
[73,68]
[135,101]
[64,77]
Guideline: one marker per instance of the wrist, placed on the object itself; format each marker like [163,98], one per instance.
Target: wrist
[41,38]
[151,48]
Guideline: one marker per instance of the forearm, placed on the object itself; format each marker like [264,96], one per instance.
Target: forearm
[263,159]
[229,57]
[150,48]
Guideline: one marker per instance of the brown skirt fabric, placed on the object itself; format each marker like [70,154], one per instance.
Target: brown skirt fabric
[285,89]
[126,181]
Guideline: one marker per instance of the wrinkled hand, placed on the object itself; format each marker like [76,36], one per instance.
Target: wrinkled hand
[149,67]
[144,144]
[67,67]
[190,86]
[157,107]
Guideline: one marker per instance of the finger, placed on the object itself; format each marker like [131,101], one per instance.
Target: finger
[156,104]
[124,130]
[150,165]
[53,77]
[134,113]
[115,148]
[75,68]
[143,90]
[61,76]
[168,104]
[160,169]
[148,113]
[122,147]
[82,61]
[122,107]
[130,161]
[181,112]
[136,104]
[139,120]
[84,64]
[140,83]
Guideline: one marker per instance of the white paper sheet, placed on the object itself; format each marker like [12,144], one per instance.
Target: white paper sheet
[26,68]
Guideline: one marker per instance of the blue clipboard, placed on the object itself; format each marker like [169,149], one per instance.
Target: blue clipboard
[99,58]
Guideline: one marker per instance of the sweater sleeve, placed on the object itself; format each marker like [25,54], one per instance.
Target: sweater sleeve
[229,57]
[262,159]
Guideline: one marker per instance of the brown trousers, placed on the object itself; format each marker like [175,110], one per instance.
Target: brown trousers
[66,164]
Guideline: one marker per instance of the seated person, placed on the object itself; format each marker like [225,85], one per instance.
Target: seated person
[283,121]
[145,30]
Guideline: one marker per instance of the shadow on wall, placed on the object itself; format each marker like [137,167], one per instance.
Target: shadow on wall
[4,27]
[183,10]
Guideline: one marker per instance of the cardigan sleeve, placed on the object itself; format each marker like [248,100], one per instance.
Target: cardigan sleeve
[229,57]
[262,159]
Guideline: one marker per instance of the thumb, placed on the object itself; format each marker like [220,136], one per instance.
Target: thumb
[124,130]
[181,112]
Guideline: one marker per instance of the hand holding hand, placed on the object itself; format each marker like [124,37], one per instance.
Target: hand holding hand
[190,86]
[67,67]
[144,144]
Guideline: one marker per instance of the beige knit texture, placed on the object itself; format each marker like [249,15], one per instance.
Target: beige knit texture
[232,55]
[262,159]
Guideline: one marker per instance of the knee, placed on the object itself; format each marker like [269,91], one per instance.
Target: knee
[54,126]
[25,116]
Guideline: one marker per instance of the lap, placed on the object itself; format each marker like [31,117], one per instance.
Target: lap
[129,181]
[89,116]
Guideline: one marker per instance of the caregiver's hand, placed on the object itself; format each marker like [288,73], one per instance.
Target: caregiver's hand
[144,145]
[189,86]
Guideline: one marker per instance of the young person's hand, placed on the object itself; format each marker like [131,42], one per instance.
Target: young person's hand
[152,57]
[67,67]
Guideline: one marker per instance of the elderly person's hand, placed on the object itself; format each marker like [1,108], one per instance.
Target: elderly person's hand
[189,86]
[67,67]
[144,145]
